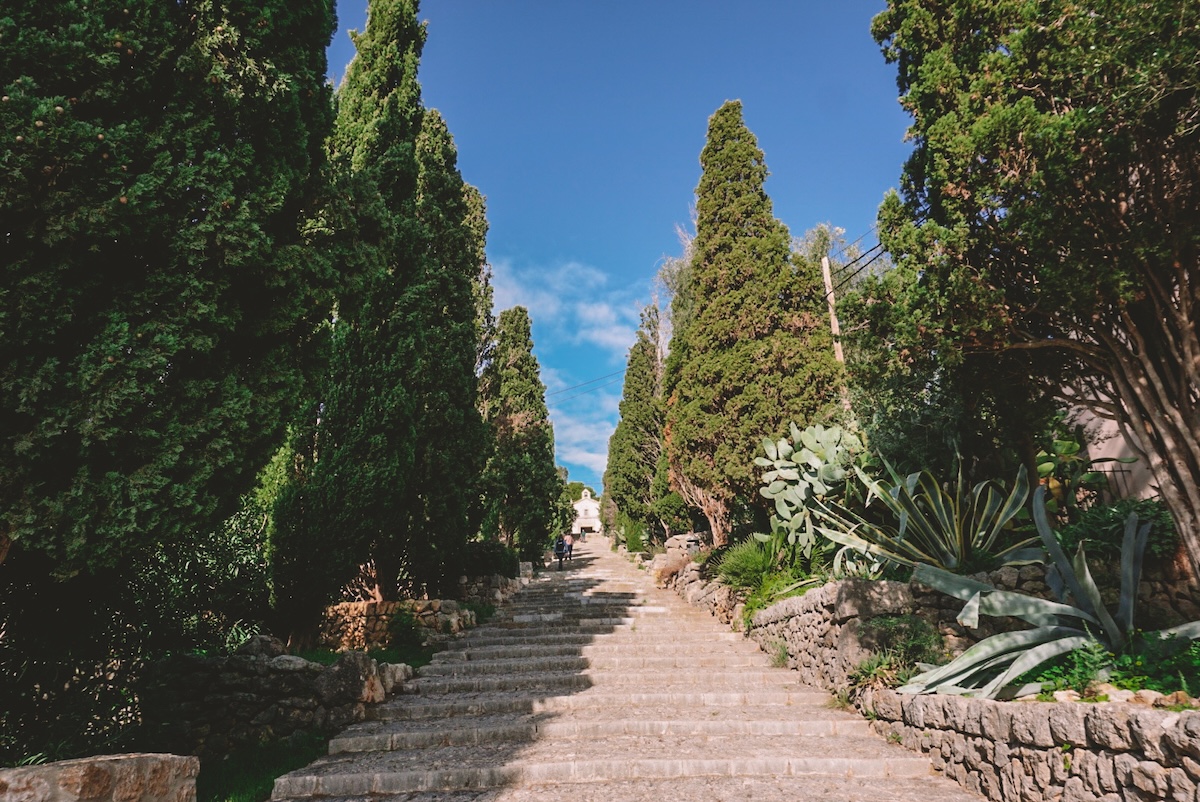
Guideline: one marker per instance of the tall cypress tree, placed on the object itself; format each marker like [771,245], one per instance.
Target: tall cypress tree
[158,309]
[157,161]
[635,445]
[522,485]
[442,305]
[356,449]
[756,351]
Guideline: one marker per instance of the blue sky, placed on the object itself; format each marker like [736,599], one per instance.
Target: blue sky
[582,122]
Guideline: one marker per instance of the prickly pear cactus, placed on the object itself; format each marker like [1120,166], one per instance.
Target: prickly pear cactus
[812,464]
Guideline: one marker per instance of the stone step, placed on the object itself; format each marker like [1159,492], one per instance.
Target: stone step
[408,708]
[466,733]
[590,650]
[588,678]
[522,773]
[809,788]
[515,637]
[524,665]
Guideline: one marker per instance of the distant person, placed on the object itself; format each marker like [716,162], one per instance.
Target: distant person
[570,541]
[560,550]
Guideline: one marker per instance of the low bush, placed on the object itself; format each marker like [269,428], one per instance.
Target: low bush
[745,565]
[1102,527]
[487,557]
[249,774]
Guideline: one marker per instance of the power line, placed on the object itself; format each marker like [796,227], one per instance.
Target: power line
[589,390]
[585,384]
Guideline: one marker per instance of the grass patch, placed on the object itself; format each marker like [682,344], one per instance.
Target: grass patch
[249,774]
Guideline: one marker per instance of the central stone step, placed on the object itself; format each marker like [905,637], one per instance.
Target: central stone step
[592,686]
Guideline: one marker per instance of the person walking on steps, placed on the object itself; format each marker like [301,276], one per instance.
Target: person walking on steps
[569,539]
[560,550]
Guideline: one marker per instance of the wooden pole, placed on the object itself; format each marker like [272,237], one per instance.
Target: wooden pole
[833,325]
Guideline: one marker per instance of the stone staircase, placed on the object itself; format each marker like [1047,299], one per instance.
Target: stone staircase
[594,685]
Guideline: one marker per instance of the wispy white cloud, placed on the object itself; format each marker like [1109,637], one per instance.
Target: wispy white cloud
[572,302]
[581,434]
[583,325]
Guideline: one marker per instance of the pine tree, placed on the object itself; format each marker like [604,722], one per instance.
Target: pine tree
[522,485]
[756,351]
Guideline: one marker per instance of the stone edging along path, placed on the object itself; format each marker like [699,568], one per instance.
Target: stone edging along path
[591,684]
[1030,751]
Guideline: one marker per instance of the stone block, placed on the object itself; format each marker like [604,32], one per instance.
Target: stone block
[1031,725]
[1068,724]
[861,598]
[145,777]
[1108,726]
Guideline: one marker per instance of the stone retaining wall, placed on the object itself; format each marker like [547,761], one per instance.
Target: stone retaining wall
[210,706]
[1008,751]
[143,777]
[364,625]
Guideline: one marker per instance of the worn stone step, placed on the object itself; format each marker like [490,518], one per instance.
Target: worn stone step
[524,665]
[514,637]
[591,650]
[808,788]
[519,772]
[588,678]
[410,708]
[530,729]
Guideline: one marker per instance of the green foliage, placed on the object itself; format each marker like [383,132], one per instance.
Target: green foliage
[949,527]
[484,611]
[523,489]
[161,305]
[1064,466]
[898,645]
[776,586]
[756,350]
[809,467]
[249,774]
[488,557]
[355,444]
[636,445]
[1052,142]
[745,565]
[1102,527]
[1058,628]
[403,631]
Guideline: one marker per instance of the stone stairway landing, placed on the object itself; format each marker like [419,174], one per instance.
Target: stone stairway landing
[592,684]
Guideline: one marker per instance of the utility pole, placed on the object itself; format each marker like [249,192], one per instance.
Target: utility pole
[833,325]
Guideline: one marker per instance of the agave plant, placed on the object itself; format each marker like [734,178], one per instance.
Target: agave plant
[1078,619]
[811,466]
[955,529]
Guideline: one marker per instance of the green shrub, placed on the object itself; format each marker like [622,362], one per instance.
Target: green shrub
[745,565]
[483,610]
[1103,527]
[488,557]
[403,630]
[249,774]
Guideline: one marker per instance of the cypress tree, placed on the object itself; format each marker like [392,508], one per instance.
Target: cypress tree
[160,162]
[442,305]
[635,445]
[522,485]
[756,351]
[356,446]
[158,159]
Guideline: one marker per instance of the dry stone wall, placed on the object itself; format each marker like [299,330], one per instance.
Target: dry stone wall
[119,778]
[210,706]
[364,625]
[1008,751]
